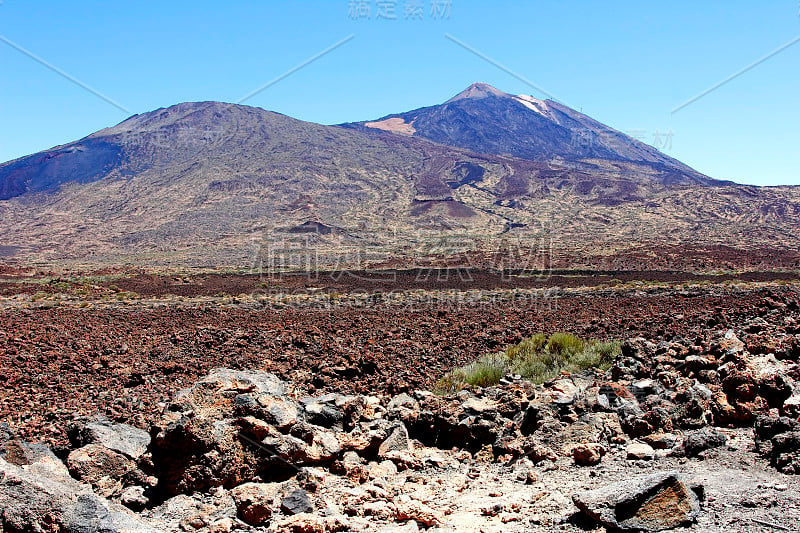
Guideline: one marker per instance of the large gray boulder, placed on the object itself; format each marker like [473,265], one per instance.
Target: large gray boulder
[121,438]
[652,502]
[43,497]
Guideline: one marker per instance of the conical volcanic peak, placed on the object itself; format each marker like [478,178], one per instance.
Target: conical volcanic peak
[487,120]
[478,91]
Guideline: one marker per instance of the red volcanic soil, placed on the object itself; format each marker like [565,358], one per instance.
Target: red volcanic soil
[151,285]
[123,361]
[395,280]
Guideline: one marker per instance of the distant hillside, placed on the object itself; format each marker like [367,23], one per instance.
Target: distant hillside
[213,184]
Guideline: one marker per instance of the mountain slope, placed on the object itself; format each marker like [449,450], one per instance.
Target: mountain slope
[213,184]
[486,120]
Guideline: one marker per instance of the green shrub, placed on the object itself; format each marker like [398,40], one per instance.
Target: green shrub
[528,346]
[537,359]
[486,371]
[564,345]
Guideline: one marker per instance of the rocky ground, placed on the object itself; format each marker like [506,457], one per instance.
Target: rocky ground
[124,357]
[694,427]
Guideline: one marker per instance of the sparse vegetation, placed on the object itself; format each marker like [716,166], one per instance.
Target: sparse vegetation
[538,359]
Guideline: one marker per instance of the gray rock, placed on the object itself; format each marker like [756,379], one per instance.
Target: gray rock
[135,498]
[190,513]
[645,387]
[297,502]
[647,503]
[786,452]
[200,443]
[640,451]
[396,441]
[701,440]
[281,412]
[42,497]
[322,413]
[129,441]
[102,468]
[402,400]
[6,433]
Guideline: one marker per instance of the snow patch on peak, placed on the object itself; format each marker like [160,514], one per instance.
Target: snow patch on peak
[539,106]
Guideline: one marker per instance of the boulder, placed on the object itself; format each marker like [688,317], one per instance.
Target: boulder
[102,468]
[296,502]
[43,497]
[277,411]
[588,454]
[324,411]
[121,438]
[255,501]
[786,452]
[334,411]
[778,438]
[202,441]
[701,440]
[640,451]
[209,512]
[135,498]
[652,502]
[419,512]
[397,441]
[21,453]
[301,523]
[6,433]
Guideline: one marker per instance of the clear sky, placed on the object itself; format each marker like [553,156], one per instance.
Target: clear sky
[628,64]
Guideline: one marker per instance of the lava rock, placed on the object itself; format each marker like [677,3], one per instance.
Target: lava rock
[129,441]
[255,501]
[135,498]
[102,468]
[640,451]
[43,497]
[6,433]
[396,441]
[701,440]
[588,454]
[296,503]
[647,503]
[21,453]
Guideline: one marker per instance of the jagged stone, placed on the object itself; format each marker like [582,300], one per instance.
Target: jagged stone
[43,497]
[121,438]
[21,453]
[588,454]
[701,440]
[211,511]
[104,469]
[135,498]
[255,501]
[397,441]
[647,503]
[296,502]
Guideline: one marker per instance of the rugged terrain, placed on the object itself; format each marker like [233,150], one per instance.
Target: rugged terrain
[134,349]
[217,318]
[706,386]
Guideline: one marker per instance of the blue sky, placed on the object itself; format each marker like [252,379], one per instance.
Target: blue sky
[628,64]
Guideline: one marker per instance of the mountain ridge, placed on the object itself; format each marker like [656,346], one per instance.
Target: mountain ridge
[211,183]
[486,120]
